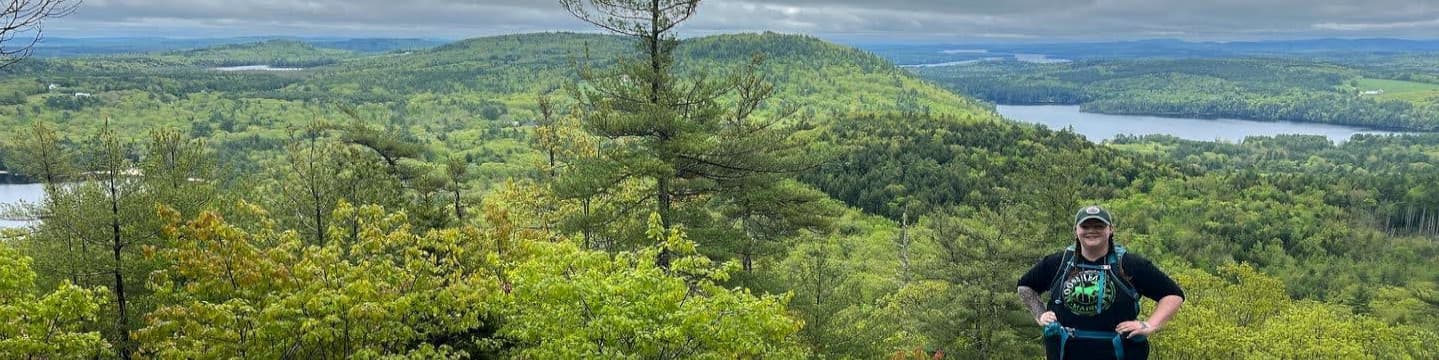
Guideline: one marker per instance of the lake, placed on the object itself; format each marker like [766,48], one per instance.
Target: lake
[1029,58]
[255,68]
[12,194]
[1098,127]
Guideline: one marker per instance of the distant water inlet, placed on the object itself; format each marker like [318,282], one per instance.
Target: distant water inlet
[255,68]
[1029,58]
[953,63]
[12,196]
[1099,127]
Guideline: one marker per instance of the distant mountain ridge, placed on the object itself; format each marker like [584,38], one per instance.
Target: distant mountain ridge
[1150,48]
[72,47]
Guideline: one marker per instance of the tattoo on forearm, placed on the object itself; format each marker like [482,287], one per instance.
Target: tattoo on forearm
[1031,301]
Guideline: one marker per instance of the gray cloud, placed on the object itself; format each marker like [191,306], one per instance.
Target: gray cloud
[1432,23]
[920,19]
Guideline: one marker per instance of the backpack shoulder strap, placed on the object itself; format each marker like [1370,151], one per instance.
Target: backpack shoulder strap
[1116,259]
[1066,261]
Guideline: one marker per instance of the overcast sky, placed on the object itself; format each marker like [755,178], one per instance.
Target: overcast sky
[845,20]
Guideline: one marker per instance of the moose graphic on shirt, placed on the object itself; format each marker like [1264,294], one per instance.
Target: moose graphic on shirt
[1092,290]
[1082,290]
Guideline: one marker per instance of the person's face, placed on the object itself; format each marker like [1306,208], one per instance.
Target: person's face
[1093,232]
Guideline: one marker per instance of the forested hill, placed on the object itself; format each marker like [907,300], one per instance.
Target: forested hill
[278,53]
[502,75]
[779,47]
[459,98]
[822,75]
[507,64]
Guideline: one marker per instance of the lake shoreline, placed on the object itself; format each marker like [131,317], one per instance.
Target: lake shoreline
[15,194]
[1219,117]
[1211,117]
[10,178]
[1100,126]
[254,68]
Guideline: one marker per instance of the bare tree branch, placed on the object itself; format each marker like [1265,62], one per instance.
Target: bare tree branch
[22,19]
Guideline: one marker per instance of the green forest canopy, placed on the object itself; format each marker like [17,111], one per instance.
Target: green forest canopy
[414,205]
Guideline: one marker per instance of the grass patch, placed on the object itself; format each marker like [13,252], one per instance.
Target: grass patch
[1414,92]
[1148,148]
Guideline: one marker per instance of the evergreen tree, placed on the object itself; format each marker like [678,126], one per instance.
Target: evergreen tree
[672,130]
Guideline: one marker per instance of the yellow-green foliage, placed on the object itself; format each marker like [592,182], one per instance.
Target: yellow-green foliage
[45,326]
[1142,148]
[377,289]
[1243,314]
[571,304]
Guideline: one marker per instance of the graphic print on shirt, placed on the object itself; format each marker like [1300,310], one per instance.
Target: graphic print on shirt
[1081,293]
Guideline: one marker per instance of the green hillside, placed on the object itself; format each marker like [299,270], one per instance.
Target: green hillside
[824,76]
[277,53]
[462,202]
[447,98]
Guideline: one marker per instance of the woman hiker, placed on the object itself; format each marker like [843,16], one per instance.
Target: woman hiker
[1094,292]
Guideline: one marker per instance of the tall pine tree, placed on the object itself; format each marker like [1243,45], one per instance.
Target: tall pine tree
[668,129]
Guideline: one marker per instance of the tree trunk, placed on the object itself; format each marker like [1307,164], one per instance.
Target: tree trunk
[459,211]
[122,327]
[552,155]
[663,205]
[904,245]
[316,197]
[588,231]
[1433,225]
[662,186]
[654,44]
[1409,219]
[319,219]
[1423,221]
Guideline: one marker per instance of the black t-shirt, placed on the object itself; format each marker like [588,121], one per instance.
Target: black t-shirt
[1139,272]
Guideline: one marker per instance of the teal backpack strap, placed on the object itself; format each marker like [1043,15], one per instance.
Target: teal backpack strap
[1113,267]
[1065,262]
[1099,301]
[1116,258]
[1054,329]
[1064,334]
